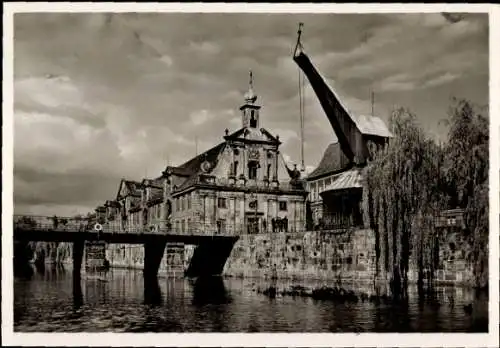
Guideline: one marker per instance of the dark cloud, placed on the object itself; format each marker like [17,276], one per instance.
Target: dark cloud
[453,17]
[107,95]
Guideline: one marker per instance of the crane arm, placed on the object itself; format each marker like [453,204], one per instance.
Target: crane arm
[348,134]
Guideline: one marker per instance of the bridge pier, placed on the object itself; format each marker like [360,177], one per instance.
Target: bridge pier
[153,253]
[78,249]
[209,258]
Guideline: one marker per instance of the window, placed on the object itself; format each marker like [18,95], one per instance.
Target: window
[189,201]
[283,206]
[268,170]
[252,170]
[221,203]
[253,120]
[235,168]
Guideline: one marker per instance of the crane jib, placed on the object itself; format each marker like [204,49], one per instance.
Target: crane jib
[343,125]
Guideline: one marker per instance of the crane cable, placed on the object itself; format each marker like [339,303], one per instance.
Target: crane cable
[301,100]
[301,115]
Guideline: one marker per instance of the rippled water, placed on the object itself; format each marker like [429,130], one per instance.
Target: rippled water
[48,302]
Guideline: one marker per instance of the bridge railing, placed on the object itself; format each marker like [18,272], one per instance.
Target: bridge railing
[46,223]
[218,228]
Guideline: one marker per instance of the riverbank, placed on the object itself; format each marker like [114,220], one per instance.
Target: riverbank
[304,257]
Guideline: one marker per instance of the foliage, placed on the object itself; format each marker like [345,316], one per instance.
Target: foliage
[402,185]
[412,179]
[466,171]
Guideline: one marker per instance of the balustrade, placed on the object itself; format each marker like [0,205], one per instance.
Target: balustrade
[251,184]
[43,223]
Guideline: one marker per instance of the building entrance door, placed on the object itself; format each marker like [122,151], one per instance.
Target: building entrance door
[253,225]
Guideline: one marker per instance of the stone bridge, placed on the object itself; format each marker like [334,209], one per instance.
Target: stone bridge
[210,255]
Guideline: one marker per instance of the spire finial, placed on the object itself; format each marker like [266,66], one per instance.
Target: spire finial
[250,96]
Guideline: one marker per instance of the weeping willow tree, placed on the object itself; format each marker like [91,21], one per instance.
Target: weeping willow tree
[466,171]
[412,179]
[402,193]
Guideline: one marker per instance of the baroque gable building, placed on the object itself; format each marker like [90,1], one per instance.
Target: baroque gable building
[240,186]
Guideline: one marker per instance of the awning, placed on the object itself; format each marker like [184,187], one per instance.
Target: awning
[350,179]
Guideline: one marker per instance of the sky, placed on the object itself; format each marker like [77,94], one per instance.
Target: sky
[99,97]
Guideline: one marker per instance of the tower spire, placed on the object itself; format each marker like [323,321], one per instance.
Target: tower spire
[250,96]
[250,110]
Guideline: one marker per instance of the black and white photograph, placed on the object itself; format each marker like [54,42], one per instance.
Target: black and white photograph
[251,172]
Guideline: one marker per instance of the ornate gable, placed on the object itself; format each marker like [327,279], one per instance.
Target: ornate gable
[122,191]
[252,135]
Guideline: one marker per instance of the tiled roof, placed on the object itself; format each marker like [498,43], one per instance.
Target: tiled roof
[100,208]
[178,171]
[346,180]
[193,166]
[156,193]
[157,183]
[371,125]
[133,187]
[113,204]
[333,161]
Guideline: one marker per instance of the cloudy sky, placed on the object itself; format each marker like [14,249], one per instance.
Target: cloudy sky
[99,97]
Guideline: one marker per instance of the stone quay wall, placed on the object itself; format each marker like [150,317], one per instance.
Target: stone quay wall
[348,256]
[302,256]
[298,256]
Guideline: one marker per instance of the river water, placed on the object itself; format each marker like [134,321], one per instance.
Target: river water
[47,301]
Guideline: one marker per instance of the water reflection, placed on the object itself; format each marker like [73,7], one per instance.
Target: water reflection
[77,294]
[152,292]
[209,290]
[53,301]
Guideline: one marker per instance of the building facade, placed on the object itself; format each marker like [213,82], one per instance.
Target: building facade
[335,186]
[240,186]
